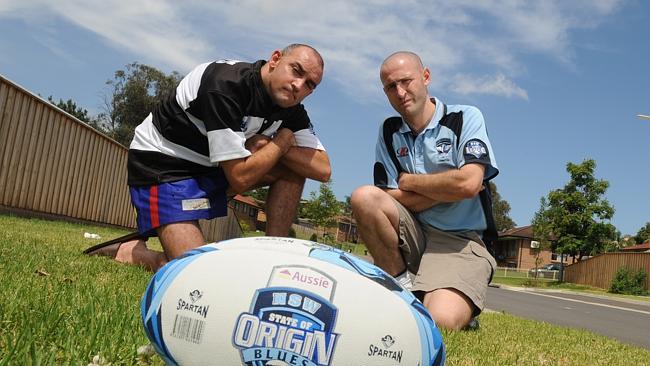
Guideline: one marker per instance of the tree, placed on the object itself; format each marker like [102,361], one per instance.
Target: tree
[577,215]
[501,210]
[259,194]
[80,113]
[133,94]
[542,230]
[643,234]
[323,209]
[347,211]
[71,107]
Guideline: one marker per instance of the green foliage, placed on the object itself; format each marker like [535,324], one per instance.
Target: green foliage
[61,307]
[243,224]
[259,194]
[346,206]
[643,234]
[133,94]
[71,107]
[626,281]
[501,210]
[542,225]
[313,237]
[292,232]
[323,209]
[577,215]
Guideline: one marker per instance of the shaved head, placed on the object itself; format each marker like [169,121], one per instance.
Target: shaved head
[403,57]
[290,48]
[405,82]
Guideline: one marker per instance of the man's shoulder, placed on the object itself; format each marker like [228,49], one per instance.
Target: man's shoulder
[466,109]
[220,71]
[393,122]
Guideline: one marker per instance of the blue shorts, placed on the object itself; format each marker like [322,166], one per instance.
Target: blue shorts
[202,197]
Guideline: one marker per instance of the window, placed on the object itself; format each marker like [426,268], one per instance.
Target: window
[556,257]
[511,248]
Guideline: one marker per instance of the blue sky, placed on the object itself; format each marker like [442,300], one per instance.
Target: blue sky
[557,81]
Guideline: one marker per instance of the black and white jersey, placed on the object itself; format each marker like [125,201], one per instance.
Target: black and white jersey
[212,112]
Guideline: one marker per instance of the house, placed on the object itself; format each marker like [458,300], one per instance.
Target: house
[644,247]
[346,230]
[517,248]
[248,210]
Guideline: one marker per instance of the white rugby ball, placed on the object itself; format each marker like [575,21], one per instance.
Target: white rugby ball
[270,301]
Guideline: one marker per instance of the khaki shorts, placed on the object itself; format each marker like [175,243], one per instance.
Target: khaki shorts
[445,260]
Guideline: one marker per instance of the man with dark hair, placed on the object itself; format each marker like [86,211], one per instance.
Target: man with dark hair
[229,127]
[424,218]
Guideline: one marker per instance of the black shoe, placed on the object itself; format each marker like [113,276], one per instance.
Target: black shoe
[472,325]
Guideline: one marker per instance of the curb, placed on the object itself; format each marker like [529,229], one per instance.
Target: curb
[605,297]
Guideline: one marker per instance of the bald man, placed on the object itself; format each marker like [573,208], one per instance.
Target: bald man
[230,126]
[425,217]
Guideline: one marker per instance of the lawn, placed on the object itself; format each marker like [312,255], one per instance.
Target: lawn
[60,307]
[544,283]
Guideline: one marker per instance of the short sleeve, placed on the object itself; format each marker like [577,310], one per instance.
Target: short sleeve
[474,145]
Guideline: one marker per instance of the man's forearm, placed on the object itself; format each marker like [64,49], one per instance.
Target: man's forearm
[309,163]
[243,173]
[448,186]
[412,201]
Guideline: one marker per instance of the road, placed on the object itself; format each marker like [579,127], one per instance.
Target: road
[625,321]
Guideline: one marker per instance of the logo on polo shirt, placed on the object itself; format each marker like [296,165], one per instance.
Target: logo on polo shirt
[402,151]
[475,148]
[443,146]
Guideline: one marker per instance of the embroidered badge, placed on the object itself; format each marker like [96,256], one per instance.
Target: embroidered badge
[443,146]
[475,148]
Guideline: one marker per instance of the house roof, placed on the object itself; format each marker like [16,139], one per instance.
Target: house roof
[518,232]
[247,200]
[638,247]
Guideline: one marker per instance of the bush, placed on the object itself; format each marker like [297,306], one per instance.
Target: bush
[292,233]
[243,224]
[628,282]
[313,237]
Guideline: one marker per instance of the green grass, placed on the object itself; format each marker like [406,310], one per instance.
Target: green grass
[60,307]
[521,281]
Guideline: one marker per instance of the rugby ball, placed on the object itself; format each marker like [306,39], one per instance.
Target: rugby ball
[269,301]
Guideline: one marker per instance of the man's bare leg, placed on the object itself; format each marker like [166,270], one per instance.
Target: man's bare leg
[449,307]
[176,239]
[136,252]
[285,190]
[282,201]
[179,237]
[378,221]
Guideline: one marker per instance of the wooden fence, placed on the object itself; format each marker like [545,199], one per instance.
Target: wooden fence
[599,271]
[52,163]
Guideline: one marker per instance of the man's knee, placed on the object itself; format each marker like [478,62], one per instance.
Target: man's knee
[450,308]
[364,195]
[177,238]
[449,318]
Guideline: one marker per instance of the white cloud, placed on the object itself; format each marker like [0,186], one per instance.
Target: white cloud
[452,36]
[494,85]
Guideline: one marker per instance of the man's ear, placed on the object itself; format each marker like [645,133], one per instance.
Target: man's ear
[426,76]
[274,59]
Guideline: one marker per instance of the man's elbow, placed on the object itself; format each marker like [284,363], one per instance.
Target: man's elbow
[238,185]
[324,175]
[469,189]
